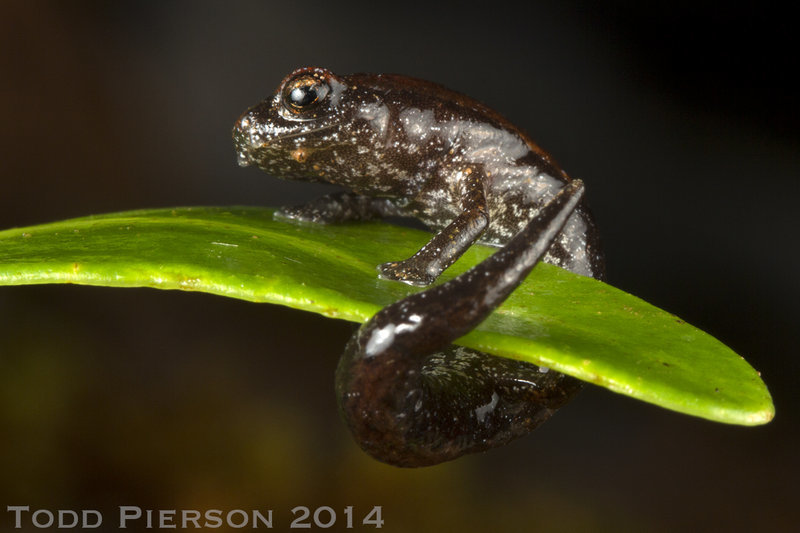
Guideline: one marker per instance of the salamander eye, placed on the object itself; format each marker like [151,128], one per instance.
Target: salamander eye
[304,93]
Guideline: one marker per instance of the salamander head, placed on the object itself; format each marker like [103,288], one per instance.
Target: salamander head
[282,133]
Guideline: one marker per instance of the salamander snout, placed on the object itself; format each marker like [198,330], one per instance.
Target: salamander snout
[246,137]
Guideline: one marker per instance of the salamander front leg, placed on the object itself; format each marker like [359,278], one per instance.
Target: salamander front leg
[339,207]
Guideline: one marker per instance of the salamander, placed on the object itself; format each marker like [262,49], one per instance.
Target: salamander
[400,146]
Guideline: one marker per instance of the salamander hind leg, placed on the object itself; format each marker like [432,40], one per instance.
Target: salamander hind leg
[446,246]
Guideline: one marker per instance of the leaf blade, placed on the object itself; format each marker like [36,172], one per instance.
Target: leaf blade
[556,319]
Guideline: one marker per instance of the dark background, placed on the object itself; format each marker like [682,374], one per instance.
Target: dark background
[682,121]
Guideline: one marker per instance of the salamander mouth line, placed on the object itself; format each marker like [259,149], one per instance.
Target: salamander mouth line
[247,152]
[246,146]
[299,134]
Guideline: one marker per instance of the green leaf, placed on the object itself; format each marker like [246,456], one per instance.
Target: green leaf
[556,319]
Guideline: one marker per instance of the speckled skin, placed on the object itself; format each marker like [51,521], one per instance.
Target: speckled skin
[401,146]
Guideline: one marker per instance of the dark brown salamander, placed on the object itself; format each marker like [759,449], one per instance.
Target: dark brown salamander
[406,147]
